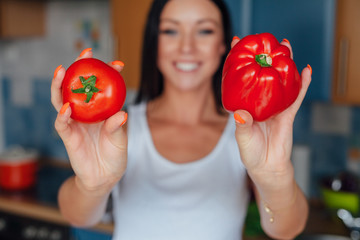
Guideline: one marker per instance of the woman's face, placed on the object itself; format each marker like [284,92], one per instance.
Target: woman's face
[191,43]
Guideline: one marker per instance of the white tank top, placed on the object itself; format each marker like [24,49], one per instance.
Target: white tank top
[161,200]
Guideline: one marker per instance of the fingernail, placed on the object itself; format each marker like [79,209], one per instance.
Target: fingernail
[239,119]
[64,108]
[118,62]
[310,68]
[285,40]
[85,51]
[56,70]
[125,119]
[236,38]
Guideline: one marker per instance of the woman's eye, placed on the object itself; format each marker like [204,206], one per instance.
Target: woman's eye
[168,31]
[206,31]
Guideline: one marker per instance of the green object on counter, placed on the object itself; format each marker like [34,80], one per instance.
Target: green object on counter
[252,221]
[340,199]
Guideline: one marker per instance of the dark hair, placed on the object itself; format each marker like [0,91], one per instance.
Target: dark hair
[151,82]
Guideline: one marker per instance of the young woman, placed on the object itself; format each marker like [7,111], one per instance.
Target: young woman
[179,169]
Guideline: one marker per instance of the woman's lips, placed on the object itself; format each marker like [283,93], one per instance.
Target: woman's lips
[186,66]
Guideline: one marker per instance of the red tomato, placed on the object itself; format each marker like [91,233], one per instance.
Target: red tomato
[259,76]
[94,90]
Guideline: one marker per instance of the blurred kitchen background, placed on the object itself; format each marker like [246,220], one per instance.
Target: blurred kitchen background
[37,36]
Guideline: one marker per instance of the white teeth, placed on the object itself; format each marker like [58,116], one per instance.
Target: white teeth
[187,66]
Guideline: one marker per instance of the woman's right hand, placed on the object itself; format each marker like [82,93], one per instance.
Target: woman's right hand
[97,152]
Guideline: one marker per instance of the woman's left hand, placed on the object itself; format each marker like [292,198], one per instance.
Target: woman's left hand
[265,147]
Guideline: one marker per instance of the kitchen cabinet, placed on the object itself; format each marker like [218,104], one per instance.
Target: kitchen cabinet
[128,20]
[309,26]
[346,85]
[20,18]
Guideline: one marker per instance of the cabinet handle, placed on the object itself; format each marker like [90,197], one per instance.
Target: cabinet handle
[342,66]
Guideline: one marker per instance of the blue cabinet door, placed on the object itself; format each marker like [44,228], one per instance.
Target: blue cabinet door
[235,11]
[87,234]
[307,24]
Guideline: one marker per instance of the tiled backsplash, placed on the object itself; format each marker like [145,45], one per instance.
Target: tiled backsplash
[32,126]
[27,65]
[328,151]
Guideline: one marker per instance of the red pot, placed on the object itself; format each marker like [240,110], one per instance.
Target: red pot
[18,169]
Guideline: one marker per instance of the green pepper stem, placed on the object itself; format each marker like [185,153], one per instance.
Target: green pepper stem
[264,60]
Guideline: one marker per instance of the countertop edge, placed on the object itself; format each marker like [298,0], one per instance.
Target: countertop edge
[43,212]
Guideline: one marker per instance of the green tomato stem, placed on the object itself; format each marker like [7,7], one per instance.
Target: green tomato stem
[88,87]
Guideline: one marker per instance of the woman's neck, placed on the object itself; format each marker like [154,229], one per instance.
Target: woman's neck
[190,107]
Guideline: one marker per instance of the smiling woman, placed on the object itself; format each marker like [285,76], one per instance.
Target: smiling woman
[151,82]
[179,168]
[191,44]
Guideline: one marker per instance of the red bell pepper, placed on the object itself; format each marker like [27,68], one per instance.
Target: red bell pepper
[259,76]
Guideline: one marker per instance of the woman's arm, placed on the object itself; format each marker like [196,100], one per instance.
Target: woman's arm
[80,206]
[97,153]
[265,149]
[283,209]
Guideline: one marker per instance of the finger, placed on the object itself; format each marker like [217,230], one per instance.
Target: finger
[86,53]
[117,65]
[305,79]
[115,129]
[244,122]
[286,43]
[234,41]
[62,122]
[56,95]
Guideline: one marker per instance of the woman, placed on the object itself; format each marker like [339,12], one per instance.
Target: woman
[182,171]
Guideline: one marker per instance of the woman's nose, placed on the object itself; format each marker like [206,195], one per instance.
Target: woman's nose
[188,44]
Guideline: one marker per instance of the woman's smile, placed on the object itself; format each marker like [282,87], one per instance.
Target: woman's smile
[187,66]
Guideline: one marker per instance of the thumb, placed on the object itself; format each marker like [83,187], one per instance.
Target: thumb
[234,41]
[62,125]
[116,130]
[244,123]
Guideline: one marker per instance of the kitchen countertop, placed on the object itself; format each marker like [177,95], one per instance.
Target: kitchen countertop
[321,221]
[40,201]
[28,207]
[35,204]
